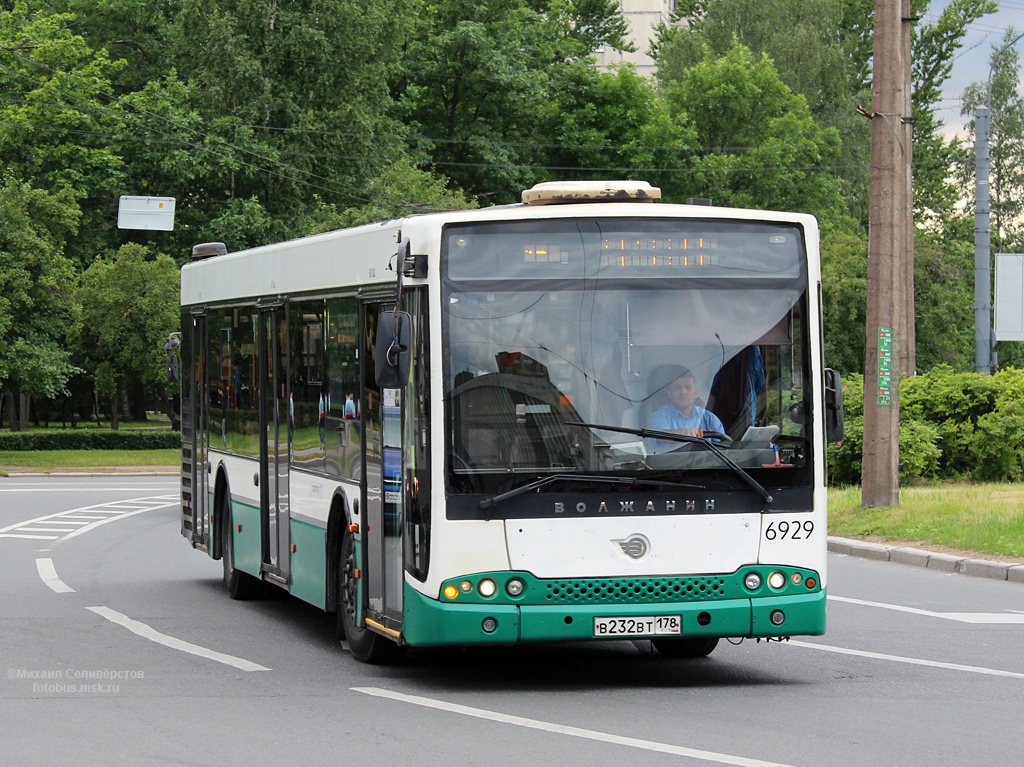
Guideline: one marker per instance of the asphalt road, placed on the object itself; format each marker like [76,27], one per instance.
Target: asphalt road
[118,645]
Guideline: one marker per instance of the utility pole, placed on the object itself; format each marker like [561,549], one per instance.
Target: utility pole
[908,356]
[984,339]
[887,287]
[982,247]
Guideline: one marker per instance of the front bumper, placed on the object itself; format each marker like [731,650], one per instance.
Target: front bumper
[725,611]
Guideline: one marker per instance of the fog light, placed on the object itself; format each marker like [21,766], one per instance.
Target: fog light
[776,580]
[514,587]
[466,586]
[489,625]
[752,581]
[451,592]
[796,578]
[777,617]
[487,587]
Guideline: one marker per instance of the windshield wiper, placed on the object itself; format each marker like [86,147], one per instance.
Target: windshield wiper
[487,503]
[668,436]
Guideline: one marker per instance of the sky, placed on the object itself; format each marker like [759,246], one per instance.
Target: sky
[972,60]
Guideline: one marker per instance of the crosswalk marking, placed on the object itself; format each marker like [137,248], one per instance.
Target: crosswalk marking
[74,522]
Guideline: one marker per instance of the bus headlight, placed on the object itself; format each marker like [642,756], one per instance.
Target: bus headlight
[752,581]
[777,580]
[487,587]
[514,587]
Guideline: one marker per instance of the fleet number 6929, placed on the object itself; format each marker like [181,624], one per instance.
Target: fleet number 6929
[794,530]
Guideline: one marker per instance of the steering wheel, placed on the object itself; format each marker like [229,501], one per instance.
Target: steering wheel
[725,439]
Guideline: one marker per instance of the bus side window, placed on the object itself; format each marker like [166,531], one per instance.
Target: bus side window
[342,417]
[305,385]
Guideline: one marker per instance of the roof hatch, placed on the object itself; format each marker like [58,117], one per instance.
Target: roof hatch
[561,192]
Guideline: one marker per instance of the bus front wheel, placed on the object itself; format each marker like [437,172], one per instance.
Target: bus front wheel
[239,585]
[696,647]
[365,645]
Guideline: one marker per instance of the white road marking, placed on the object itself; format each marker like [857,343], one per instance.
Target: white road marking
[88,517]
[902,659]
[147,632]
[46,529]
[993,618]
[104,521]
[76,489]
[49,575]
[561,729]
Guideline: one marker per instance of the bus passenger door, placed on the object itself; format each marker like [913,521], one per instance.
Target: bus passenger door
[274,450]
[194,412]
[383,482]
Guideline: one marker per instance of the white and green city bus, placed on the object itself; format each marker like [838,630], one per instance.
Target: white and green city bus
[444,428]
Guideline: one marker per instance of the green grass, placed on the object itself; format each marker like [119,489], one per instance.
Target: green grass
[58,460]
[986,518]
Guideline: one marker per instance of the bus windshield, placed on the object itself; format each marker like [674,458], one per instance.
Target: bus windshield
[695,327]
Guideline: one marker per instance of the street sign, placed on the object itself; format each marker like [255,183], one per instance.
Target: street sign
[153,213]
[1009,308]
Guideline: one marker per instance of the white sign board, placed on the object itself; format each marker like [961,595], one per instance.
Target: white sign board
[155,213]
[1009,308]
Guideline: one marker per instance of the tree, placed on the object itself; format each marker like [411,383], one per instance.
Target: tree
[936,191]
[57,117]
[36,282]
[295,93]
[129,306]
[480,79]
[757,144]
[943,277]
[399,190]
[1006,142]
[822,49]
[602,124]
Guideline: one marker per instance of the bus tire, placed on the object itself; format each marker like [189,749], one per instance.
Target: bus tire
[366,646]
[239,585]
[690,647]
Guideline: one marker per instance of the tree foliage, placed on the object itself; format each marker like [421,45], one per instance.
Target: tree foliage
[128,307]
[36,287]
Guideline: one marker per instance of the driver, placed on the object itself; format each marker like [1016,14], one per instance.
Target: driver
[682,414]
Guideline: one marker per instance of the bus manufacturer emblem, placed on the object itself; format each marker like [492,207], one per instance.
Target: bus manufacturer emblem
[635,547]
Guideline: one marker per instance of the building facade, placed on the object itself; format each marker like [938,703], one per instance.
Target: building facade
[643,16]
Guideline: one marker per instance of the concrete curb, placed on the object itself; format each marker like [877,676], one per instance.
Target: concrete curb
[947,563]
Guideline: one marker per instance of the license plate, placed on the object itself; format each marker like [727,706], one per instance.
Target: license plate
[638,626]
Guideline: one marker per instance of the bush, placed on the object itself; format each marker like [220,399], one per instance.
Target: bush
[952,425]
[90,440]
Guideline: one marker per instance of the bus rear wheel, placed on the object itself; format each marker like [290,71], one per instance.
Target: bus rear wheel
[366,646]
[239,585]
[690,647]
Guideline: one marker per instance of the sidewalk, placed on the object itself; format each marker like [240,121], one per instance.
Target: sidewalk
[947,563]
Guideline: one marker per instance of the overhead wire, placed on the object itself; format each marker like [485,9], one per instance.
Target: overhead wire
[128,116]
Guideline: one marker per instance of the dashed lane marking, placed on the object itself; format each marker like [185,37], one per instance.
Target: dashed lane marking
[902,659]
[561,729]
[1012,617]
[49,575]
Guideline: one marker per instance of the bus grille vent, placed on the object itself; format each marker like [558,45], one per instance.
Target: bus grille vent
[612,590]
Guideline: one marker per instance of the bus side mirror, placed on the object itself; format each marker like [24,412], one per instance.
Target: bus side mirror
[393,349]
[834,428]
[173,342]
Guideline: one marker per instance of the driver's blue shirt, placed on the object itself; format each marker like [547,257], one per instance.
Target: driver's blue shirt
[667,418]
